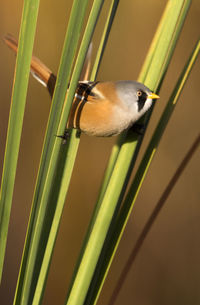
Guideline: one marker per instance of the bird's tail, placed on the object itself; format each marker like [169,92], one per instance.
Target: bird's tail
[39,70]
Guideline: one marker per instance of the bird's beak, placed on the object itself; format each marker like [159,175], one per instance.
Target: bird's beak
[153,96]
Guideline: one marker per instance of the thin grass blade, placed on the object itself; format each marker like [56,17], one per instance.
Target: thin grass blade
[154,43]
[20,85]
[104,38]
[66,159]
[151,221]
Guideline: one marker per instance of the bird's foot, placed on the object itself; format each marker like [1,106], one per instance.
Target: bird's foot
[65,136]
[138,128]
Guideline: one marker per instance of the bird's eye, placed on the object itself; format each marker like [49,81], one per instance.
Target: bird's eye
[139,93]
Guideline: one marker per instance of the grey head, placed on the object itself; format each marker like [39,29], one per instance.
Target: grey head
[135,97]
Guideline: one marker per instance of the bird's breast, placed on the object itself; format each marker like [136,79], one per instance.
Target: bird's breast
[100,118]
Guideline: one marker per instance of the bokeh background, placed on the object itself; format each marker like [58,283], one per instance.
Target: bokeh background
[167,270]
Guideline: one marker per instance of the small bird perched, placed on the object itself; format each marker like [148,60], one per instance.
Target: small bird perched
[99,108]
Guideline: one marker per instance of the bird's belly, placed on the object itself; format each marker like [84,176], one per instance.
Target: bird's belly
[103,120]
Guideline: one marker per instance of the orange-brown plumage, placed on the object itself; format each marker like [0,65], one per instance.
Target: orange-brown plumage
[96,117]
[42,72]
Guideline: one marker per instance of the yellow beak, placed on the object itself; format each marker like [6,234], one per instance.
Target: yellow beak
[153,96]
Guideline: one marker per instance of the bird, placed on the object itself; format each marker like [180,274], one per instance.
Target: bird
[99,108]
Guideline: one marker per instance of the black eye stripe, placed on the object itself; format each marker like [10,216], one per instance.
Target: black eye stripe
[141,100]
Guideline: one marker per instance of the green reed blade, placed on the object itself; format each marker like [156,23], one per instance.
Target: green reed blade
[20,85]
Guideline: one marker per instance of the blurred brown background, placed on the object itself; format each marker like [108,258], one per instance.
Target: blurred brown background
[167,270]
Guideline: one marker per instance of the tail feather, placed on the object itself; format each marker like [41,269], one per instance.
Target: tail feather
[39,70]
[85,73]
